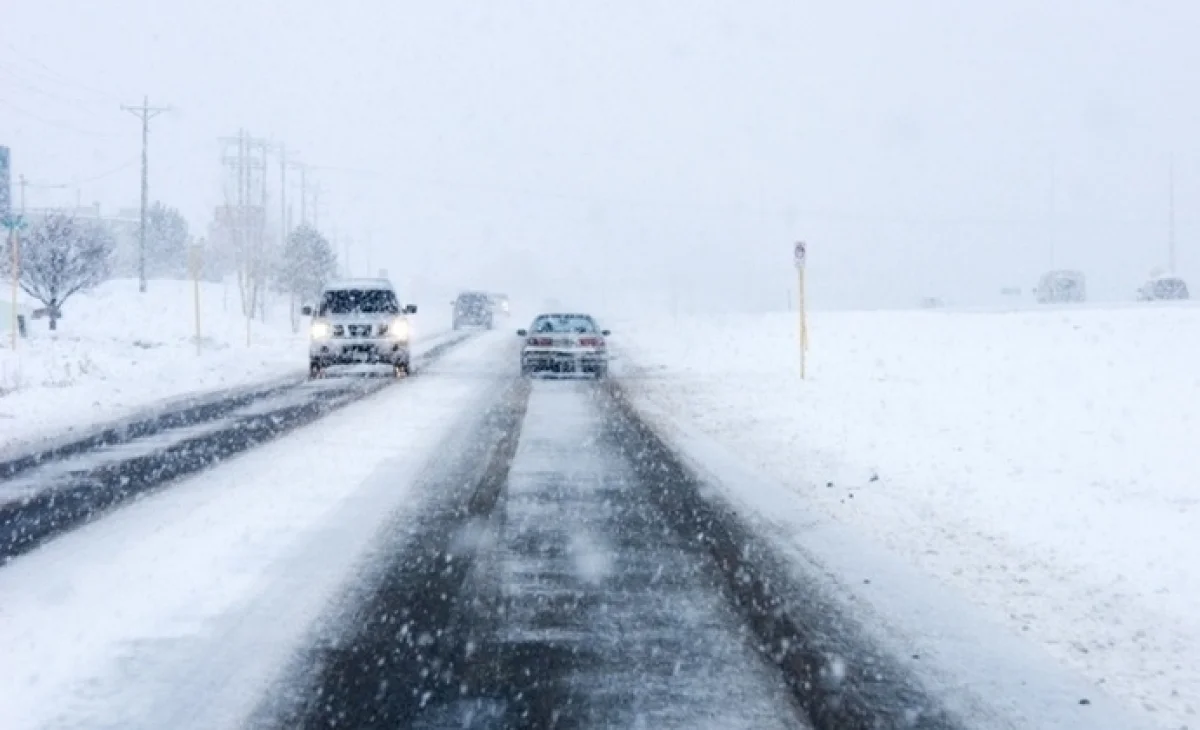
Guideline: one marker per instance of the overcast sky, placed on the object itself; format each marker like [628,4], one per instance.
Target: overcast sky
[650,152]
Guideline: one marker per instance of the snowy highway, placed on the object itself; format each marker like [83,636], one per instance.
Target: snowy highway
[574,602]
[471,550]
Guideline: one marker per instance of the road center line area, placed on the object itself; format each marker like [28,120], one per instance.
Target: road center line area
[472,550]
[561,598]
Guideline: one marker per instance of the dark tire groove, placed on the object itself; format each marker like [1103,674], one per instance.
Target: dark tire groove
[30,521]
[400,654]
[840,681]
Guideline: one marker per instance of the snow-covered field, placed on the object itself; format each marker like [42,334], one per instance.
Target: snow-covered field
[117,352]
[1041,465]
[180,610]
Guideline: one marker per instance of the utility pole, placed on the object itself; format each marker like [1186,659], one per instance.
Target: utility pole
[1053,195]
[283,209]
[24,184]
[303,194]
[145,112]
[245,212]
[1171,217]
[317,206]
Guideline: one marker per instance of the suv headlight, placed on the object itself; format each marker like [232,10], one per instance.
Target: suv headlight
[320,330]
[398,329]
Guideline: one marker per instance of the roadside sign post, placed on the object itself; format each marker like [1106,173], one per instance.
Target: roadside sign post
[14,224]
[800,255]
[194,263]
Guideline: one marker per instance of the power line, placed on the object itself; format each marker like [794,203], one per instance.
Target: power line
[54,122]
[54,76]
[34,88]
[100,176]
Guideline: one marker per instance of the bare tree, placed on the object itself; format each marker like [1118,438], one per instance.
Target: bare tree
[61,256]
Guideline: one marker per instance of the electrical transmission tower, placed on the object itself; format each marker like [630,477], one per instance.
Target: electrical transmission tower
[244,216]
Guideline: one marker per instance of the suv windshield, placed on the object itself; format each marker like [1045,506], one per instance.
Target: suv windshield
[359,301]
[473,303]
[564,323]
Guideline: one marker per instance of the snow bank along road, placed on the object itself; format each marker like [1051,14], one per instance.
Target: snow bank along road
[470,550]
[57,487]
[1034,469]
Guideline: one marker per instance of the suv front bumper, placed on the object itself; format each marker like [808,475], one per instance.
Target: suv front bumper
[346,351]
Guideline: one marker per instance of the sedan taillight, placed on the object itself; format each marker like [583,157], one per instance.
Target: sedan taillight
[539,341]
[590,342]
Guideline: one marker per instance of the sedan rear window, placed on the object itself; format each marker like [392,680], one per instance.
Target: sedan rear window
[564,323]
[359,301]
[1170,289]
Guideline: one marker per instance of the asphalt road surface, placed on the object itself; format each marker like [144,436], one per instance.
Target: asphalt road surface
[553,565]
[560,597]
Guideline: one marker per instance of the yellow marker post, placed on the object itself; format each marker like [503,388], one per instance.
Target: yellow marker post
[195,264]
[801,256]
[16,276]
[14,224]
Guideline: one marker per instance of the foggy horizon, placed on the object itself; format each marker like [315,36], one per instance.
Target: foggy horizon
[637,156]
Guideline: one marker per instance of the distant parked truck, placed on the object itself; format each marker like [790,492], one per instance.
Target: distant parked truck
[1163,288]
[1061,286]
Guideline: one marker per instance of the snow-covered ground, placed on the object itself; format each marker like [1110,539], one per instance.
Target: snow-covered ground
[1041,465]
[180,610]
[117,352]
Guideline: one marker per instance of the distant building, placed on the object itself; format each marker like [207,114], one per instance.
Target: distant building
[5,182]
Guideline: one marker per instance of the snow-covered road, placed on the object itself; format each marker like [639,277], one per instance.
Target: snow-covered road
[1031,470]
[179,610]
[472,544]
[583,606]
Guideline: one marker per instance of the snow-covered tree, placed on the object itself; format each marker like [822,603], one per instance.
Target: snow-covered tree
[308,261]
[60,256]
[166,242]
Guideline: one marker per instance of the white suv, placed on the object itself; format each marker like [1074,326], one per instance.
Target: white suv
[359,321]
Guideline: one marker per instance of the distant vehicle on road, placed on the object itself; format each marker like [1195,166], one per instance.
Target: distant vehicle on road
[1163,288]
[1061,286]
[500,304]
[473,309]
[359,321]
[564,343]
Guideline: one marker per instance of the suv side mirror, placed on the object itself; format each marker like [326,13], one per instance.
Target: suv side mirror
[522,333]
[606,333]
[306,311]
[410,309]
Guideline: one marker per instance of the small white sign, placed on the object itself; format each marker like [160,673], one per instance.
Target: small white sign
[801,254]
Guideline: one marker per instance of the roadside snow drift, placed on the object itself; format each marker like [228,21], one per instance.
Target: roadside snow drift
[178,611]
[118,351]
[1041,465]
